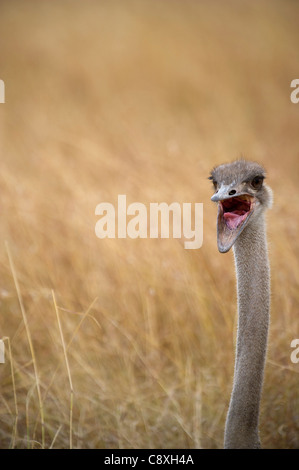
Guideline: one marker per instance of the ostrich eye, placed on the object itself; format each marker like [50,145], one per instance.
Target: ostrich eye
[257,182]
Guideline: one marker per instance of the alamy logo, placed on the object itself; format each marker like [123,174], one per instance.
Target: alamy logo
[2,91]
[158,220]
[295,353]
[2,358]
[295,93]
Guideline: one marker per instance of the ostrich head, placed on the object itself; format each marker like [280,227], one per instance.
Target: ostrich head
[241,195]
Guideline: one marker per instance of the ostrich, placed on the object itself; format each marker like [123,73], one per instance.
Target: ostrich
[242,198]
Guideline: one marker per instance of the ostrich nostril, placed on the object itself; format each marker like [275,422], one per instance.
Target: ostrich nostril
[232,192]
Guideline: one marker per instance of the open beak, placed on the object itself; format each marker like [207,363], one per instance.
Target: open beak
[233,215]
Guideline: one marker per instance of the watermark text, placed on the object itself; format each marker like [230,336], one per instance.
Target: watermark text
[133,221]
[2,91]
[2,352]
[295,353]
[295,93]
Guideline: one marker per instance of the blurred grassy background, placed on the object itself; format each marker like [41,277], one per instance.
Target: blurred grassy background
[139,98]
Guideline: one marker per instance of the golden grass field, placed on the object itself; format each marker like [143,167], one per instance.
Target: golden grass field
[130,343]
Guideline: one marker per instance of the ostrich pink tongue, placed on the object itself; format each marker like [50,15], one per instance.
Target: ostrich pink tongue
[234,219]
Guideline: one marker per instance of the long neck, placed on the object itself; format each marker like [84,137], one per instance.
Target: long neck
[253,289]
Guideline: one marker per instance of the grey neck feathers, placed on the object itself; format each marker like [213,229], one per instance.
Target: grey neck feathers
[253,288]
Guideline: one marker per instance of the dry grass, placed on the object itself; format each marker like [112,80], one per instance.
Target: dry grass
[129,343]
